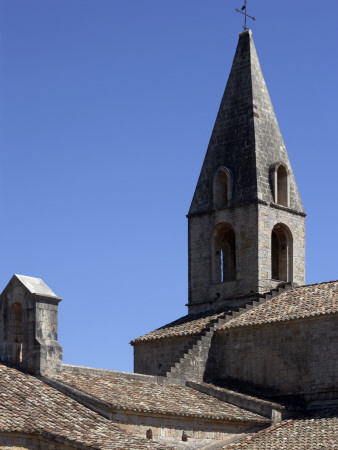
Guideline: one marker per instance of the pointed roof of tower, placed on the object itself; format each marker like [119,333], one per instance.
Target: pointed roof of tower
[33,285]
[36,286]
[246,138]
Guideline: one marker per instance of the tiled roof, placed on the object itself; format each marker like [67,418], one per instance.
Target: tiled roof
[137,395]
[316,430]
[27,405]
[302,302]
[184,326]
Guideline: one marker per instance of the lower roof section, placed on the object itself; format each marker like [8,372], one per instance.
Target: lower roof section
[189,325]
[29,406]
[315,430]
[303,302]
[148,395]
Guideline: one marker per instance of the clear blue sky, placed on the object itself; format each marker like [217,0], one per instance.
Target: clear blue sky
[106,111]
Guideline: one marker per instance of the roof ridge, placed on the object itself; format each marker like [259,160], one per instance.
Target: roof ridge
[290,306]
[228,325]
[314,284]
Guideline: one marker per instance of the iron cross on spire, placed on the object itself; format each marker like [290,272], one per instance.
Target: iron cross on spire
[245,14]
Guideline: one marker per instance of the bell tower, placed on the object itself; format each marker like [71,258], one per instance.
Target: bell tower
[246,223]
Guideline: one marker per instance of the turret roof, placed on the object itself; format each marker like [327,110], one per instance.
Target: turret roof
[36,286]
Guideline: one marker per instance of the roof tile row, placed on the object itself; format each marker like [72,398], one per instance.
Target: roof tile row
[27,405]
[184,326]
[299,303]
[316,430]
[152,397]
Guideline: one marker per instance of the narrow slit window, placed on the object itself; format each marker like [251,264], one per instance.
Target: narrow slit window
[222,267]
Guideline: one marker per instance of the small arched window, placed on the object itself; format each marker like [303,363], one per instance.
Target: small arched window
[224,264]
[149,433]
[280,183]
[281,253]
[282,186]
[16,332]
[222,187]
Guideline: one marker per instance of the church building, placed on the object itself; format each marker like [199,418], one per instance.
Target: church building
[253,364]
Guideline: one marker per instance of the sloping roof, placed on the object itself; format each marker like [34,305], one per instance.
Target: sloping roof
[36,286]
[126,393]
[184,326]
[27,405]
[301,302]
[313,300]
[318,429]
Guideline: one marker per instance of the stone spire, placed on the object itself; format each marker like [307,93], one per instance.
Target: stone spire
[246,137]
[246,220]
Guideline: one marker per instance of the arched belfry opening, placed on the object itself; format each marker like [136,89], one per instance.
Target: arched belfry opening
[224,253]
[16,332]
[281,253]
[222,188]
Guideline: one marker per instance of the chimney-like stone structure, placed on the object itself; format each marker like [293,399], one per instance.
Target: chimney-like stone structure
[29,326]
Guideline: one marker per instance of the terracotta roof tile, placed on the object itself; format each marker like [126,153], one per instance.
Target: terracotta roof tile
[27,405]
[316,430]
[152,397]
[302,302]
[184,326]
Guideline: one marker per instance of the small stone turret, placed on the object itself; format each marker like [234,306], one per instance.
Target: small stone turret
[28,326]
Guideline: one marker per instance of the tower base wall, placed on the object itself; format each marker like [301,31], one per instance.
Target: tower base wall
[281,358]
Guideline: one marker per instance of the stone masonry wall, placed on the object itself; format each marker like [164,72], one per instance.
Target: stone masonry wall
[269,216]
[298,357]
[156,357]
[243,219]
[253,252]
[47,334]
[173,428]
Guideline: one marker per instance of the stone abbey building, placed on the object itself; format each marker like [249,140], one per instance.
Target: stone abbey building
[253,365]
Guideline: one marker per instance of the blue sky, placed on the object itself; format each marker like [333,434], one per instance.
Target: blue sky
[106,111]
